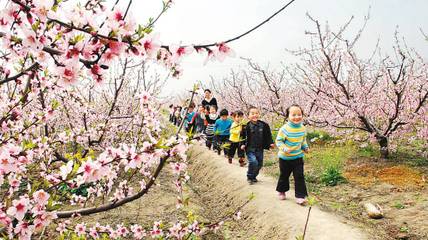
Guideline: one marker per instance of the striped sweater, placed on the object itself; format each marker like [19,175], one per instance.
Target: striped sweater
[291,140]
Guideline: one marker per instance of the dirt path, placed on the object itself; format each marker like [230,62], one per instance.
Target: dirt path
[265,216]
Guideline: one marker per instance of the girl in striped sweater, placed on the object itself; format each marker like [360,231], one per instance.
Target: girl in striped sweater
[211,118]
[291,142]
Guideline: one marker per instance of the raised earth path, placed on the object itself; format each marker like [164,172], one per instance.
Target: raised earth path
[266,216]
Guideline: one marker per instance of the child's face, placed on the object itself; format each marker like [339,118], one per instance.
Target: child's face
[212,110]
[237,118]
[190,109]
[295,115]
[201,109]
[254,115]
[223,117]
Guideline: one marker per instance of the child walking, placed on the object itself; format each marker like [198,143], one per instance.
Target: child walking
[211,118]
[257,137]
[177,115]
[236,139]
[291,143]
[222,131]
[188,118]
[198,121]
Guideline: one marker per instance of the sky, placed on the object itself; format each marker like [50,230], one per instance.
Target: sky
[204,21]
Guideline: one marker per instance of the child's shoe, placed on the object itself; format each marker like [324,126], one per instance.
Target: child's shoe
[301,201]
[241,162]
[281,195]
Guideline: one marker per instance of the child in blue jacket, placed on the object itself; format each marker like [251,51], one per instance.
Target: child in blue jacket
[222,131]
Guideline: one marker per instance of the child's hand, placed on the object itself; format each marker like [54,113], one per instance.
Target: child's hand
[243,147]
[272,146]
[286,150]
[306,150]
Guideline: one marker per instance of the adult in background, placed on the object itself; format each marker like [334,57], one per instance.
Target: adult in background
[209,100]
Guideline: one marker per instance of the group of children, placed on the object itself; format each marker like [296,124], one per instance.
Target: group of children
[233,135]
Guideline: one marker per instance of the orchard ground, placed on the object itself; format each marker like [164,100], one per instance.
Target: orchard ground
[216,189]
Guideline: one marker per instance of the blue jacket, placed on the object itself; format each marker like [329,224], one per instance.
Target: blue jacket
[189,116]
[222,127]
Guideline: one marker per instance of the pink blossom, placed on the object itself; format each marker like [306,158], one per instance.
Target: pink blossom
[30,41]
[19,208]
[145,98]
[151,45]
[7,163]
[69,73]
[177,231]
[94,233]
[14,181]
[135,162]
[96,72]
[224,51]
[138,231]
[4,219]
[178,168]
[115,19]
[44,219]
[156,231]
[6,16]
[41,197]
[194,227]
[24,230]
[80,229]
[62,226]
[116,47]
[91,171]
[122,231]
[178,52]
[42,8]
[211,56]
[178,185]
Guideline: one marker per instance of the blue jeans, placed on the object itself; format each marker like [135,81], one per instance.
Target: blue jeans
[255,163]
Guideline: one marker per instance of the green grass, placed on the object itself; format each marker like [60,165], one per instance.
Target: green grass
[332,176]
[329,156]
[408,153]
[327,163]
[369,151]
[409,156]
[398,205]
[318,136]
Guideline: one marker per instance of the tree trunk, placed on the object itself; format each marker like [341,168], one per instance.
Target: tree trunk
[383,143]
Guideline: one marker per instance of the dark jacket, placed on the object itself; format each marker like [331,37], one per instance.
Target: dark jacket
[212,102]
[198,122]
[257,136]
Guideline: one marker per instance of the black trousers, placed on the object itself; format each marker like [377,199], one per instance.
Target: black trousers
[219,141]
[287,167]
[236,147]
[210,141]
